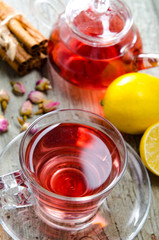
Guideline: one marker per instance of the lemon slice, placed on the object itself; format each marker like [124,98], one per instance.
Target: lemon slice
[149,148]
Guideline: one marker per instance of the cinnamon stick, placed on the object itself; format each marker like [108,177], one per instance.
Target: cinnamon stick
[27,34]
[23,67]
[35,34]
[30,44]
[23,36]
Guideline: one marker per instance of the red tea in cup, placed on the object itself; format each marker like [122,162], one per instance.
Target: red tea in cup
[71,160]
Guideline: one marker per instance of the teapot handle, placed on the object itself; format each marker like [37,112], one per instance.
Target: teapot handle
[47,11]
[146,61]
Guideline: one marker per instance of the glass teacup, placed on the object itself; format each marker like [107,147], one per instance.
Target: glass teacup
[71,160]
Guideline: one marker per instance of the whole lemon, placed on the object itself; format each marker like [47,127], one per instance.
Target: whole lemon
[131,102]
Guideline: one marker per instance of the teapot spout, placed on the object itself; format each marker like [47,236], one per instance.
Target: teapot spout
[146,60]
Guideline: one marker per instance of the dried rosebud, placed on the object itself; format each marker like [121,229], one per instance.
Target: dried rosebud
[3,124]
[43,84]
[26,109]
[49,105]
[24,127]
[20,120]
[36,97]
[4,95]
[4,99]
[18,88]
[4,105]
[40,111]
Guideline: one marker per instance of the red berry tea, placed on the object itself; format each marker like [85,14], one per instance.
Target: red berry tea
[72,159]
[85,63]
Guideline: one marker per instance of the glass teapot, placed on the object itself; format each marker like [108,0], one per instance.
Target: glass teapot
[95,41]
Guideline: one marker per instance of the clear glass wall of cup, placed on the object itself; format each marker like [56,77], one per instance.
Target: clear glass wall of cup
[72,159]
[94,41]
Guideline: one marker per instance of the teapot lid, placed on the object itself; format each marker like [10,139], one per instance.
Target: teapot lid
[99,21]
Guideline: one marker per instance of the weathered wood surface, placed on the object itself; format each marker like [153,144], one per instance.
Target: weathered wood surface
[146,17]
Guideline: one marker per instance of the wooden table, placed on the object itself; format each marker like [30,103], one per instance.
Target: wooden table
[146,15]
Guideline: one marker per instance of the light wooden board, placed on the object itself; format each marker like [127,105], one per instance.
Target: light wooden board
[146,17]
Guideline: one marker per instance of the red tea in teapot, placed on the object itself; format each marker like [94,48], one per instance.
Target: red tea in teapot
[91,49]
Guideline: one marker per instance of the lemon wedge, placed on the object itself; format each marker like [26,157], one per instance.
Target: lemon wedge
[149,148]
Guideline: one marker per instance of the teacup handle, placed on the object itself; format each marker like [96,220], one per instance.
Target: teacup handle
[45,10]
[14,191]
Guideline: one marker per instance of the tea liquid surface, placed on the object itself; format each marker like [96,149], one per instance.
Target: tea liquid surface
[73,160]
